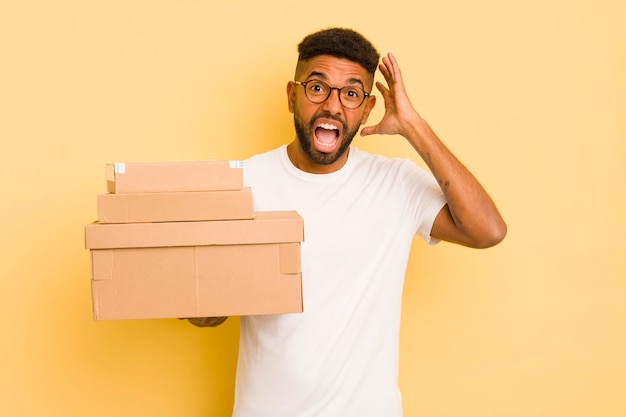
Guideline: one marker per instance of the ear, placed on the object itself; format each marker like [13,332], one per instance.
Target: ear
[291,96]
[369,105]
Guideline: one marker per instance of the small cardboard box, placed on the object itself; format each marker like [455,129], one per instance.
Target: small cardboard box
[171,207]
[197,269]
[151,177]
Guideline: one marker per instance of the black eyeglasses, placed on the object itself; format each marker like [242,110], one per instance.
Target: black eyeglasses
[317,91]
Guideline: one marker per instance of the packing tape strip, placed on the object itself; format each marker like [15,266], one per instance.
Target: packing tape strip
[119,168]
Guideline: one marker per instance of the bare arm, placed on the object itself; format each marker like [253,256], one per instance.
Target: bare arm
[470,218]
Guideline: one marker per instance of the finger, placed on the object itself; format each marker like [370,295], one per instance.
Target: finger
[394,68]
[369,130]
[385,70]
[389,67]
[384,91]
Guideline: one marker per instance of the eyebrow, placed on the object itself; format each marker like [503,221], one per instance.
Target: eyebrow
[323,76]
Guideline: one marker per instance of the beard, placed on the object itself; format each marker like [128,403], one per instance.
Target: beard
[305,132]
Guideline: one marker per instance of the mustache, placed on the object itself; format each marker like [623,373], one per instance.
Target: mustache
[327,115]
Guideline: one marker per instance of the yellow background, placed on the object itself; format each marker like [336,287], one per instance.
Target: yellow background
[531,95]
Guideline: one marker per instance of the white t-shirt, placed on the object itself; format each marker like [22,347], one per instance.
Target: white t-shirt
[340,357]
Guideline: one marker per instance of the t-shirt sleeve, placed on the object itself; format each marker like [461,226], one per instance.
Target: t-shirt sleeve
[425,199]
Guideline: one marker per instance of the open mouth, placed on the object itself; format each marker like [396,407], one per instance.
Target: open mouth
[326,137]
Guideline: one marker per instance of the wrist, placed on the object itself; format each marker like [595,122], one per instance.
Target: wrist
[417,131]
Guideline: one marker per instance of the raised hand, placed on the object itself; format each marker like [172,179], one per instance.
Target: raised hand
[399,111]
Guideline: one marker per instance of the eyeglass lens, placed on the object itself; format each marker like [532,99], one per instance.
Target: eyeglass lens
[318,91]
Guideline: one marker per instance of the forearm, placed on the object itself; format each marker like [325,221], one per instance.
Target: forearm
[474,214]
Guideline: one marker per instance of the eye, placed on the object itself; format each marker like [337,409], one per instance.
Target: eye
[352,93]
[317,87]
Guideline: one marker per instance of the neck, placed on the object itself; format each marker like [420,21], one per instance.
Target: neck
[300,160]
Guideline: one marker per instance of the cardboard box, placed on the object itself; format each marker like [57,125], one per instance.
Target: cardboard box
[267,227]
[170,207]
[197,269]
[200,281]
[150,177]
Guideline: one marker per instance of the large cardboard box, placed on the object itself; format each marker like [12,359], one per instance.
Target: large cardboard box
[171,207]
[197,281]
[197,269]
[149,177]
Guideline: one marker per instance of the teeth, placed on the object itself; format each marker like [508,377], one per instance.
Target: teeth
[327,126]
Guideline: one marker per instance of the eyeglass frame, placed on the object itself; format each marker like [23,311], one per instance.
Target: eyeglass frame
[330,91]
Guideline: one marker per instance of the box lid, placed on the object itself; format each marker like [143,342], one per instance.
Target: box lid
[266,227]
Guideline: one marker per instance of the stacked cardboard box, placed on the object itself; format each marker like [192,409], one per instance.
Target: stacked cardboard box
[182,239]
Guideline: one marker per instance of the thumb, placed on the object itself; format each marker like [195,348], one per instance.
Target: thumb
[369,130]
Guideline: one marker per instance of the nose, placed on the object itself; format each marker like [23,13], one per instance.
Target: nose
[333,103]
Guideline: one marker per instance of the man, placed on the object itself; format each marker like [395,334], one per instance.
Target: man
[340,357]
